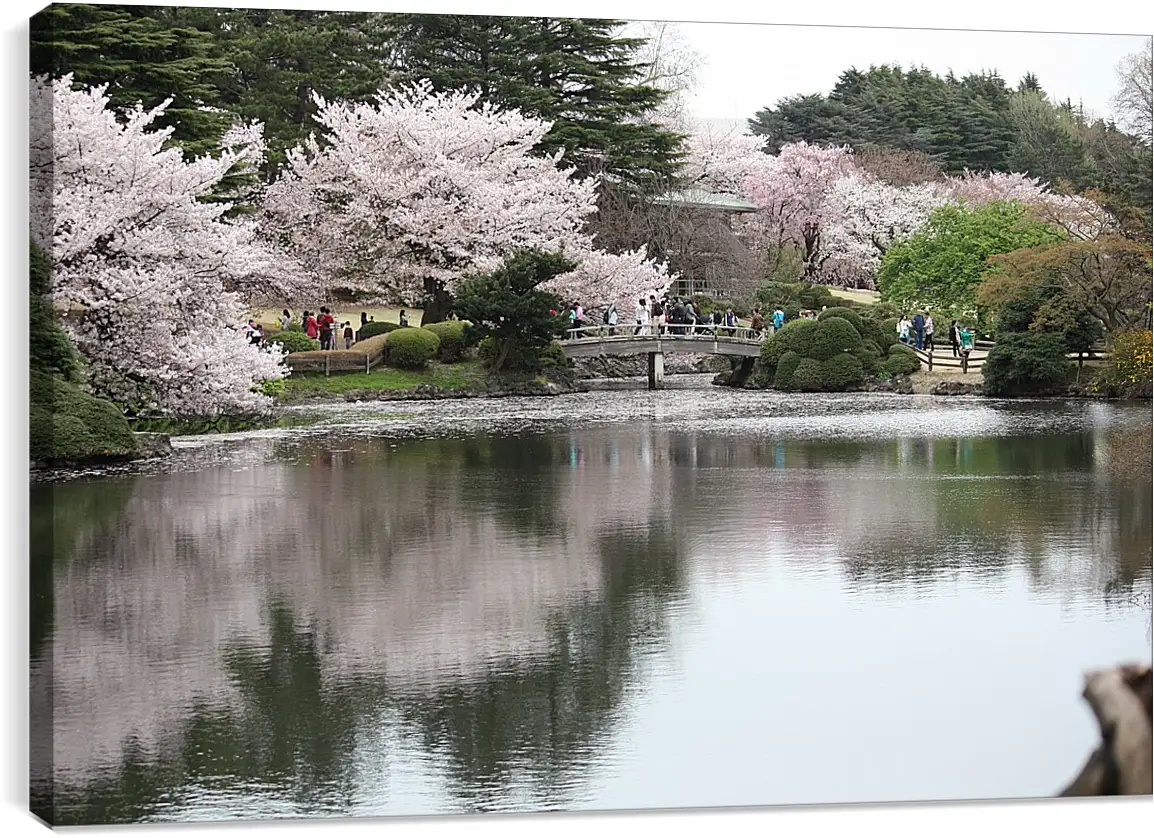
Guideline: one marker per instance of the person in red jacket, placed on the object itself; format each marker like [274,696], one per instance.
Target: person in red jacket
[311,325]
[325,325]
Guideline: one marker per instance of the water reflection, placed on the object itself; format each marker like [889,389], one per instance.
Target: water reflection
[472,620]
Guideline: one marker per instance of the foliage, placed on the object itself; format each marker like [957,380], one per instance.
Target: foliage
[579,75]
[1023,363]
[509,306]
[293,341]
[841,372]
[446,376]
[792,336]
[411,348]
[49,349]
[870,357]
[786,367]
[941,266]
[832,336]
[274,388]
[901,363]
[793,297]
[150,53]
[156,279]
[1109,277]
[1129,372]
[808,377]
[67,424]
[374,328]
[408,195]
[845,313]
[451,334]
[902,349]
[553,357]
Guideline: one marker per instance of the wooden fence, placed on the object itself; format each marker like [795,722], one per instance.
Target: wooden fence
[362,357]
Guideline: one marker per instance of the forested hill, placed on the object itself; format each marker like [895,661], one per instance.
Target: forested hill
[976,122]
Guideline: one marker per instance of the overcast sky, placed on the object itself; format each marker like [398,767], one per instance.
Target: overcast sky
[751,66]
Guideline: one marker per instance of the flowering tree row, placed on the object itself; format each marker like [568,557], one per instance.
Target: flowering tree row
[842,218]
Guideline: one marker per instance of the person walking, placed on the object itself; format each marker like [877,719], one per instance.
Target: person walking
[954,337]
[611,318]
[778,318]
[311,329]
[349,337]
[639,317]
[757,324]
[919,325]
[286,320]
[404,320]
[579,316]
[930,333]
[655,315]
[904,330]
[325,325]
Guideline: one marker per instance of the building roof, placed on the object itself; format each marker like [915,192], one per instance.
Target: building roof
[702,199]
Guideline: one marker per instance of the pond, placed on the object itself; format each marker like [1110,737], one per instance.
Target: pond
[617,599]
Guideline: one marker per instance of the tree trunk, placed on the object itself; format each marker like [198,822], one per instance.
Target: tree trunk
[438,302]
[1120,700]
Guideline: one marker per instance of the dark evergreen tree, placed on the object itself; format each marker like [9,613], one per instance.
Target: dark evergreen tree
[144,54]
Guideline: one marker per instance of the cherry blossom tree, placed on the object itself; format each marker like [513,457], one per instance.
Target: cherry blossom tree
[867,215]
[404,196]
[153,278]
[791,189]
[1081,217]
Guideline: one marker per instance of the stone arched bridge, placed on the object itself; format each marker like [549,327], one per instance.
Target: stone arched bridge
[741,344]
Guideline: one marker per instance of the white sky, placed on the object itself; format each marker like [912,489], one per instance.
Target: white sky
[751,66]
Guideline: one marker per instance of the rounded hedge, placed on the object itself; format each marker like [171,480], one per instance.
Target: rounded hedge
[376,327]
[841,372]
[890,327]
[901,363]
[66,423]
[451,334]
[1024,363]
[792,336]
[553,355]
[411,348]
[295,341]
[786,366]
[832,336]
[808,376]
[902,349]
[846,314]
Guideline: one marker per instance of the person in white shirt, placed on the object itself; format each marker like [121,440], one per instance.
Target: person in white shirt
[639,317]
[929,331]
[904,330]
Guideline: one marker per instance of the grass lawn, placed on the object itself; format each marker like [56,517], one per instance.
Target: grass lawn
[461,374]
[858,295]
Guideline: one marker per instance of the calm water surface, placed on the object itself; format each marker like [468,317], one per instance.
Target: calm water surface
[609,600]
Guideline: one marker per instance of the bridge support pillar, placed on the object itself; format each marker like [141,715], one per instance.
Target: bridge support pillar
[656,370]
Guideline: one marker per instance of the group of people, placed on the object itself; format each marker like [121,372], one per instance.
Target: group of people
[918,331]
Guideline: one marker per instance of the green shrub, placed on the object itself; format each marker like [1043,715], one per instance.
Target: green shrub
[841,372]
[376,327]
[831,337]
[411,348]
[67,424]
[870,357]
[901,363]
[1024,363]
[902,349]
[295,341]
[1130,372]
[273,387]
[786,367]
[451,334]
[792,336]
[808,376]
[890,327]
[846,314]
[553,356]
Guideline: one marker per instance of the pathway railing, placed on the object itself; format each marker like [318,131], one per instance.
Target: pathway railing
[671,331]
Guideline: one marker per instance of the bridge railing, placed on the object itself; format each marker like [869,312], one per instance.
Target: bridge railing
[670,331]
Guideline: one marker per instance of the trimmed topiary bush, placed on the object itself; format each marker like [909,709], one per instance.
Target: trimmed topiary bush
[451,334]
[808,376]
[410,348]
[66,424]
[902,349]
[901,363]
[553,357]
[786,367]
[842,372]
[832,336]
[376,327]
[1023,363]
[890,327]
[846,314]
[792,336]
[295,341]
